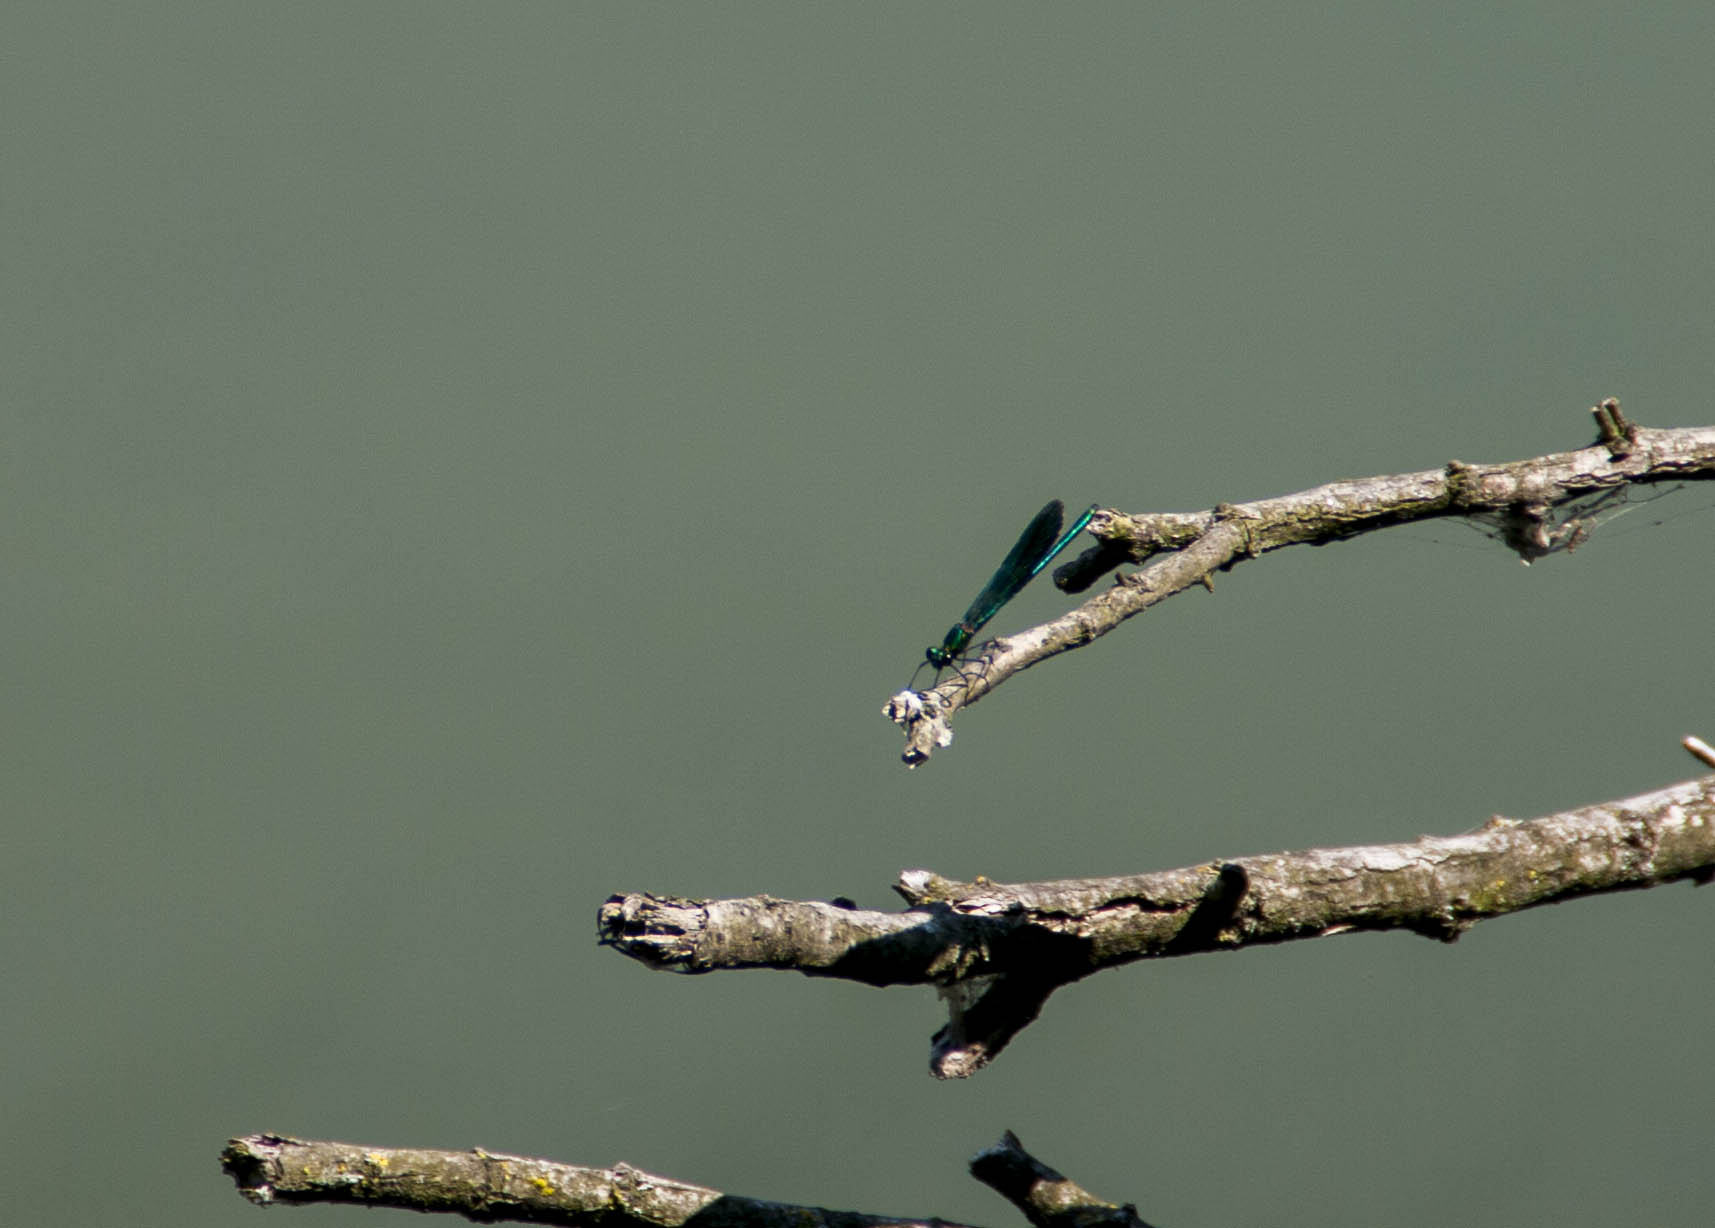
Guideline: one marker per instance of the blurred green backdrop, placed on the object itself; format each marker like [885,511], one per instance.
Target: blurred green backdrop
[465,460]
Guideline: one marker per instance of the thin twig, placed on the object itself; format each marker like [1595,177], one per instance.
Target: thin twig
[1527,498]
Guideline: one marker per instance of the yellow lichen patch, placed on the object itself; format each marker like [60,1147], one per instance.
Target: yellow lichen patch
[377,1159]
[543,1185]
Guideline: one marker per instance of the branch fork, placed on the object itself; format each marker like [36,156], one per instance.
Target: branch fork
[997,951]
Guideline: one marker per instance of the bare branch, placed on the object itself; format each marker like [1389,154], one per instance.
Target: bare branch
[1540,506]
[489,1187]
[1046,1198]
[998,950]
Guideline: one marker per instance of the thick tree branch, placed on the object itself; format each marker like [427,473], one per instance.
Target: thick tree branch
[1539,506]
[489,1187]
[998,950]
